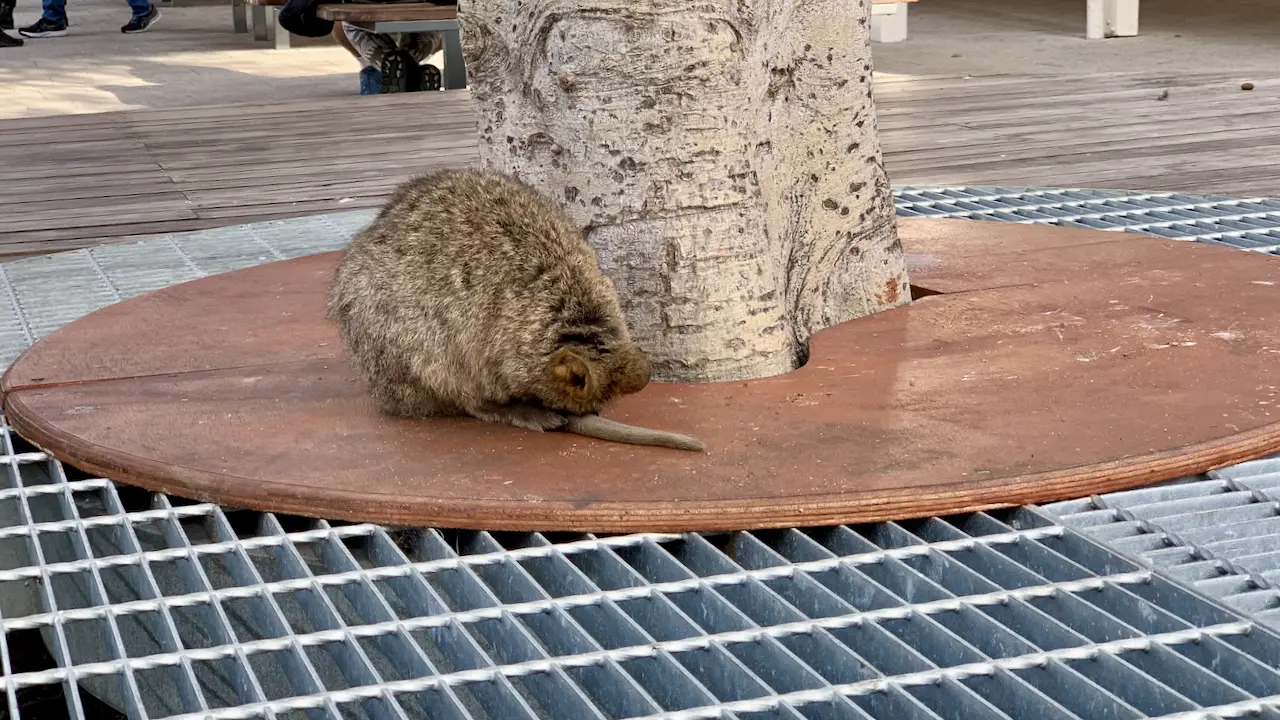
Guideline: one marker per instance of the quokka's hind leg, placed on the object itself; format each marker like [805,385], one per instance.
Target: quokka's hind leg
[410,401]
[522,415]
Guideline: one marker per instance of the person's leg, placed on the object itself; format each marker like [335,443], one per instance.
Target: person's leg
[55,11]
[6,23]
[139,7]
[144,16]
[422,45]
[369,48]
[52,22]
[340,34]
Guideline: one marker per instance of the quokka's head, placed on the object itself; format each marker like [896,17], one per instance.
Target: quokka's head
[581,379]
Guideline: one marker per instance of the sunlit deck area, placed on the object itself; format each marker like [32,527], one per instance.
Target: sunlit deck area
[114,175]
[191,126]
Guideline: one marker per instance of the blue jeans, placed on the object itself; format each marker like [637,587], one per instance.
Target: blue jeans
[56,10]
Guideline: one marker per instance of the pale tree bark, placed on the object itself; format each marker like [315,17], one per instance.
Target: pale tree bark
[721,153]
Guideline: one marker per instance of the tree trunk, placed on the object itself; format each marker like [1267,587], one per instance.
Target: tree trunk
[722,155]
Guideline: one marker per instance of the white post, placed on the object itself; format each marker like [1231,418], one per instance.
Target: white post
[889,22]
[1122,18]
[279,34]
[1095,24]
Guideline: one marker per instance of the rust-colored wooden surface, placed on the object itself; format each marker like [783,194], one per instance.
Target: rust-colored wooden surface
[1051,363]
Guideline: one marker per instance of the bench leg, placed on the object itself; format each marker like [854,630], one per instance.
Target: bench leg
[1122,18]
[259,22]
[1095,24]
[1111,18]
[239,17]
[455,67]
[281,35]
[890,24]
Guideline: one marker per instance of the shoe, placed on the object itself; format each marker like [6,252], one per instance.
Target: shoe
[142,23]
[7,40]
[370,81]
[401,73]
[412,72]
[44,28]
[429,78]
[397,67]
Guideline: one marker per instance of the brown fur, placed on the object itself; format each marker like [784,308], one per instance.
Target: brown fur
[472,294]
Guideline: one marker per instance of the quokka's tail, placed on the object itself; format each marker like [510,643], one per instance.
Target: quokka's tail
[598,427]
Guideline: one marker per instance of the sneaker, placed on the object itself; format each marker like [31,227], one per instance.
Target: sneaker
[7,40]
[430,78]
[44,28]
[370,81]
[142,23]
[396,71]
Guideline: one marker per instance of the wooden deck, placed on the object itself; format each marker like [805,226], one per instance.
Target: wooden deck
[71,181]
[115,175]
[1107,131]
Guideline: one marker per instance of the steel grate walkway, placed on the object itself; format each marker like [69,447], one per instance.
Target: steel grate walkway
[1245,223]
[1219,533]
[166,609]
[115,602]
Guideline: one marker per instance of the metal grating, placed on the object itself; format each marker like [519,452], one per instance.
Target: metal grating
[166,609]
[114,600]
[1245,223]
[1218,532]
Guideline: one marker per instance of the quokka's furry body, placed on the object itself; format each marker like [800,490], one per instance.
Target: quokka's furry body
[472,294]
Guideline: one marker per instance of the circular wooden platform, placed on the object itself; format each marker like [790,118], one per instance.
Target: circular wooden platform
[1045,363]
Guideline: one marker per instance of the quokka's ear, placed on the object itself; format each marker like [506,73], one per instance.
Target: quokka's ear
[572,373]
[632,371]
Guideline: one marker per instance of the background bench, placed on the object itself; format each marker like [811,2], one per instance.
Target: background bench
[1111,18]
[262,30]
[409,17]
[889,20]
[888,23]
[375,17]
[1104,18]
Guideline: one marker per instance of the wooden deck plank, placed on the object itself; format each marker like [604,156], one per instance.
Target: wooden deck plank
[265,152]
[117,175]
[1028,151]
[284,171]
[387,12]
[55,209]
[72,170]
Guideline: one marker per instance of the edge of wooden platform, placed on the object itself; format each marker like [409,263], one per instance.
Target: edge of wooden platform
[792,511]
[38,412]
